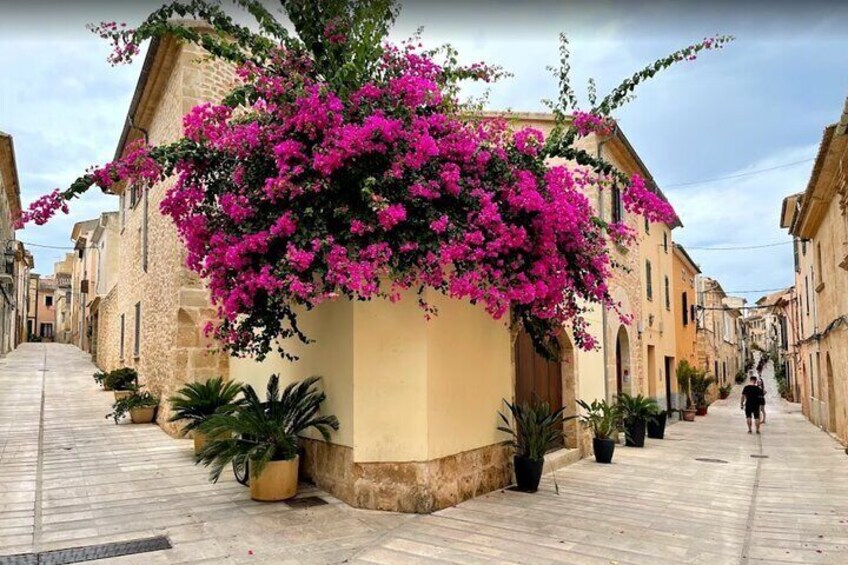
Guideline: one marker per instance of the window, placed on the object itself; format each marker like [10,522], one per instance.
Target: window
[795,253]
[692,312]
[649,288]
[804,247]
[122,206]
[685,298]
[48,301]
[665,242]
[820,284]
[667,294]
[647,226]
[135,195]
[46,331]
[807,293]
[617,205]
[137,334]
[122,336]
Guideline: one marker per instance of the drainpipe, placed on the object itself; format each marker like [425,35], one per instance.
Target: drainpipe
[604,315]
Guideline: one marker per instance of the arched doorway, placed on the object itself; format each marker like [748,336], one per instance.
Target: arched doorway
[831,394]
[622,361]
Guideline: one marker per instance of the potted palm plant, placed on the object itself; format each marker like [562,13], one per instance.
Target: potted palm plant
[635,412]
[534,430]
[140,404]
[602,419]
[700,383]
[266,434]
[724,391]
[656,425]
[684,385]
[196,402]
[121,381]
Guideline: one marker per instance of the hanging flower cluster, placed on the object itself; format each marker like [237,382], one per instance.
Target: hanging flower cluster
[313,186]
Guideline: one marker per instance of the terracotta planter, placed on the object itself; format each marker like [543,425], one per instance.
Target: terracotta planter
[688,415]
[701,411]
[278,481]
[121,394]
[142,414]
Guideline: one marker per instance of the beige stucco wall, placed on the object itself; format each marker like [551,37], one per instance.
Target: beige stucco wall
[657,318]
[403,388]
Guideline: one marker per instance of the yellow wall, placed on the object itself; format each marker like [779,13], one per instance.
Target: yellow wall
[683,281]
[330,357]
[659,333]
[403,388]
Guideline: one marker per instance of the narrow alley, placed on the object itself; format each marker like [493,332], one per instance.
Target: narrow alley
[709,493]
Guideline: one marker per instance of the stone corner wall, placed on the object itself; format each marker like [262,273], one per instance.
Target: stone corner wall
[411,487]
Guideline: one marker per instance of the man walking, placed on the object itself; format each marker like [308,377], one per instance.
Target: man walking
[750,401]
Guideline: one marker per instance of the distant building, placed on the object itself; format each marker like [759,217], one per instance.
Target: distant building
[818,221]
[15,262]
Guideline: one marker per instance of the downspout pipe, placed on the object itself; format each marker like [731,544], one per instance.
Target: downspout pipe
[604,315]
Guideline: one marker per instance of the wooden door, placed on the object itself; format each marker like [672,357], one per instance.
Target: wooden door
[536,379]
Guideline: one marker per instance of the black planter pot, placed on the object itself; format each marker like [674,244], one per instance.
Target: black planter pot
[656,427]
[528,473]
[603,449]
[635,436]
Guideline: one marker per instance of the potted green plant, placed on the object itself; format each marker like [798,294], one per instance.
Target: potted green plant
[140,404]
[266,434]
[602,419]
[724,391]
[656,425]
[635,412]
[700,383]
[196,402]
[740,377]
[99,378]
[121,381]
[684,385]
[534,430]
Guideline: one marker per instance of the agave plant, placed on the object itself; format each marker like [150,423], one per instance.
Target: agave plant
[637,408]
[535,428]
[261,432]
[196,402]
[601,417]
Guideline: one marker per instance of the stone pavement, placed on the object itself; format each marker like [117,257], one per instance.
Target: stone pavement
[70,478]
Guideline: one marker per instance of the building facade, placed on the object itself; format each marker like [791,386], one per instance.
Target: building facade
[14,263]
[720,346]
[685,301]
[818,221]
[418,407]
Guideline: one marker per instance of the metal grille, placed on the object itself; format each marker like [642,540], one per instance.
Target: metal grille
[306,502]
[708,460]
[88,553]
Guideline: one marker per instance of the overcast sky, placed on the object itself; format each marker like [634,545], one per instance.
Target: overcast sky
[761,103]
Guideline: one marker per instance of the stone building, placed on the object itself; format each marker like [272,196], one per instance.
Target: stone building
[96,244]
[152,318]
[418,407]
[63,299]
[786,310]
[684,273]
[818,221]
[14,265]
[719,350]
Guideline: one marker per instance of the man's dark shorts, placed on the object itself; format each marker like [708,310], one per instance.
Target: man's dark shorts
[752,411]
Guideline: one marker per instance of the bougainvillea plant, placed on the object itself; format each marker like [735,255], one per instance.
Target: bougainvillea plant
[345,166]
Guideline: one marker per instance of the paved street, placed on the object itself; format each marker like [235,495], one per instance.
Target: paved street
[70,478]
